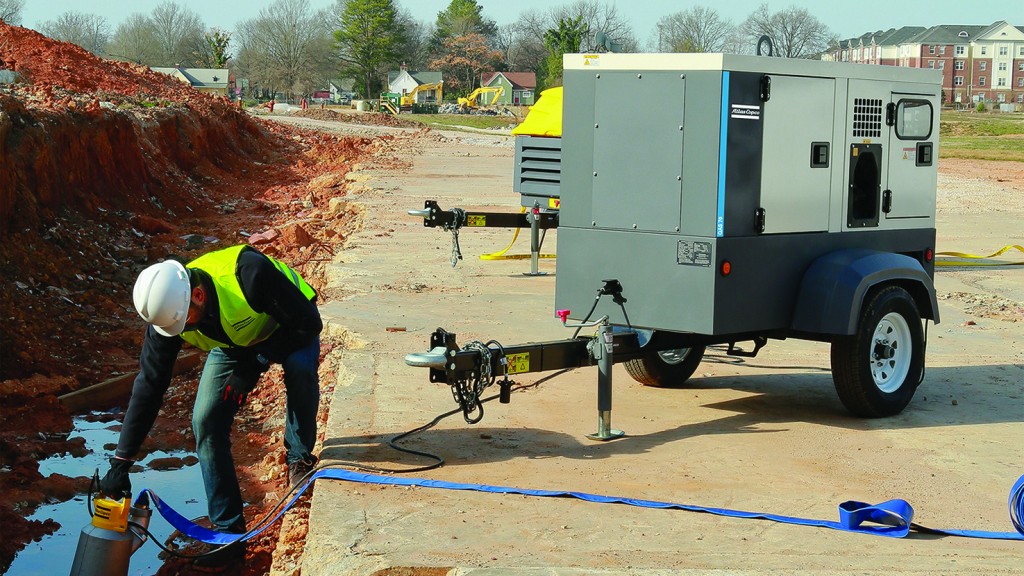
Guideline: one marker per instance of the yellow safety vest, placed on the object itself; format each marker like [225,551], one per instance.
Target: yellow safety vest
[243,325]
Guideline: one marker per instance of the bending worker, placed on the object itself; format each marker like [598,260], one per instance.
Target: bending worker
[248,311]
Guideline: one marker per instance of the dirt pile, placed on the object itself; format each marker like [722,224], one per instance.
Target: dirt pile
[370,118]
[106,167]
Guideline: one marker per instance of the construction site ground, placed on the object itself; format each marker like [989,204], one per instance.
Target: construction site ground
[766,434]
[108,167]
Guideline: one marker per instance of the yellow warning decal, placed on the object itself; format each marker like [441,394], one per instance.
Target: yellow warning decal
[477,220]
[554,202]
[518,363]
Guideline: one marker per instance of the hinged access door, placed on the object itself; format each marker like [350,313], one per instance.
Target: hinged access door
[913,176]
[796,164]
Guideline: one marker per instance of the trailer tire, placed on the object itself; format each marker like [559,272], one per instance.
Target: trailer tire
[877,370]
[665,367]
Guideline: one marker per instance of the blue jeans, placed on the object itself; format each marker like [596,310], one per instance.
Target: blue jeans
[214,414]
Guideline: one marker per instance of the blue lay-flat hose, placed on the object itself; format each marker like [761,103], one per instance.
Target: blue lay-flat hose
[893,518]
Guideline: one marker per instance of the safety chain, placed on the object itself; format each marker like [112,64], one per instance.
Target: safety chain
[466,393]
[458,218]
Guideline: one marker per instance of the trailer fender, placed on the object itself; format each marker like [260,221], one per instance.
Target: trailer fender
[832,290]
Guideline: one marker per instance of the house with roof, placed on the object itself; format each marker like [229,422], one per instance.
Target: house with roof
[520,88]
[209,80]
[341,90]
[404,81]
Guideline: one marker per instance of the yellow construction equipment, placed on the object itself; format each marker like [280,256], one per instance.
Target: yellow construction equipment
[409,98]
[473,100]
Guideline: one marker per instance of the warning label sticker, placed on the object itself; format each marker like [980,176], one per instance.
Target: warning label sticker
[518,363]
[476,220]
[693,253]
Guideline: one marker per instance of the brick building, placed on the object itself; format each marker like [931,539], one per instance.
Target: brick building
[978,63]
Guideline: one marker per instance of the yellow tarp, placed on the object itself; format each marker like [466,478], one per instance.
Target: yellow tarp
[545,117]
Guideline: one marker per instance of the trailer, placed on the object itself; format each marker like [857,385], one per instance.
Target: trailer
[718,199]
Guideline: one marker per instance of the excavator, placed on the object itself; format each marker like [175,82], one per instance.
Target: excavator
[409,98]
[474,100]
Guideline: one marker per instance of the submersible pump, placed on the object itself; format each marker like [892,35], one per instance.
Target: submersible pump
[116,531]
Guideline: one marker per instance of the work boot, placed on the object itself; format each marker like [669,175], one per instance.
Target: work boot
[218,558]
[298,470]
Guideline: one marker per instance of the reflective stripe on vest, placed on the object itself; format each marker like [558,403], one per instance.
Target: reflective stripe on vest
[243,325]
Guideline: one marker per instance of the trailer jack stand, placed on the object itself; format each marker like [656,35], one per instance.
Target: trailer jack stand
[601,349]
[534,217]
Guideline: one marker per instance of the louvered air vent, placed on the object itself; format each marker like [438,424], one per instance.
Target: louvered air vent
[867,118]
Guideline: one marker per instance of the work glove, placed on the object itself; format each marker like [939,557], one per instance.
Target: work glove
[116,483]
[243,379]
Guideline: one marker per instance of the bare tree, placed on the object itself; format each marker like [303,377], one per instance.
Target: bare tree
[526,49]
[523,40]
[179,34]
[89,31]
[599,17]
[10,11]
[697,29]
[287,47]
[794,32]
[135,41]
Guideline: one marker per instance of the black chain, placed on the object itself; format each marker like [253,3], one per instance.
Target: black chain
[467,391]
[458,218]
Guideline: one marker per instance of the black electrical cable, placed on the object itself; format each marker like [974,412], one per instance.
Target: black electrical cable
[589,314]
[266,519]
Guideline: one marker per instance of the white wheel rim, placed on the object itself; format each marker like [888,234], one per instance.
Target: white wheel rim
[674,356]
[890,352]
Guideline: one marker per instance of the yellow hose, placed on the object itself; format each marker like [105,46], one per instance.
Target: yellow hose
[1001,251]
[500,255]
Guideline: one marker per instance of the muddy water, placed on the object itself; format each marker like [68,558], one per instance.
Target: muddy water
[181,488]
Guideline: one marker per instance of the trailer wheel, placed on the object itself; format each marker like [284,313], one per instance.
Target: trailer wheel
[876,371]
[665,367]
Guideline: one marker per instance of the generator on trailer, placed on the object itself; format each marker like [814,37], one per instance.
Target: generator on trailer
[747,199]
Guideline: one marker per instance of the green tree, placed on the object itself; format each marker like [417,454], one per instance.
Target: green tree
[465,58]
[217,42]
[565,39]
[464,17]
[368,38]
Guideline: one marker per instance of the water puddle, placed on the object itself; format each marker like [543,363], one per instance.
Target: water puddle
[181,488]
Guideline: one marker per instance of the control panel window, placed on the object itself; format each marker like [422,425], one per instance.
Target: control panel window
[913,119]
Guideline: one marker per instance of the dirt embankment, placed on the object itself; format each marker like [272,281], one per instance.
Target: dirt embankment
[106,167]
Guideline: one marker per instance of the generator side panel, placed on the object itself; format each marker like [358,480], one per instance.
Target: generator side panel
[667,280]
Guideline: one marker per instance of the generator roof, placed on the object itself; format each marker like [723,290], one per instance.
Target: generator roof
[744,63]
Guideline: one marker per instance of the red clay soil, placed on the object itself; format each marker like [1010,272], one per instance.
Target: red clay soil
[106,167]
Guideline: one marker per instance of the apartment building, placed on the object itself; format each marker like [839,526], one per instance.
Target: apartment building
[978,63]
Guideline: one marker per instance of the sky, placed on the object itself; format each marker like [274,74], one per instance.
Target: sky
[846,19]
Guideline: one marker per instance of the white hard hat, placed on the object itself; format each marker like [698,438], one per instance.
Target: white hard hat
[162,294]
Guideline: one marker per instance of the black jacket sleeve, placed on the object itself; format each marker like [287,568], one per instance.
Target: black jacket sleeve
[270,292]
[156,364]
